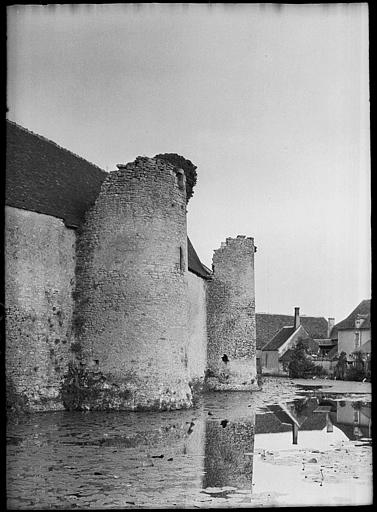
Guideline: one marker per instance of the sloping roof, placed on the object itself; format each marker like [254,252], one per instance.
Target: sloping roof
[284,414]
[194,263]
[279,339]
[46,178]
[267,325]
[349,323]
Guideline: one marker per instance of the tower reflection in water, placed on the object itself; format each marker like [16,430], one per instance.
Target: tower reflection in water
[229,449]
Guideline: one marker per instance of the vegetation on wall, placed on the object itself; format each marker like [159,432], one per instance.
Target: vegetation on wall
[86,389]
[187,166]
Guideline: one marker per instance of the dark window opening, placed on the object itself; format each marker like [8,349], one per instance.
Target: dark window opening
[180,176]
[225,359]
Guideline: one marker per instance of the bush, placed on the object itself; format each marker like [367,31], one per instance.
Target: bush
[355,374]
[300,366]
[319,371]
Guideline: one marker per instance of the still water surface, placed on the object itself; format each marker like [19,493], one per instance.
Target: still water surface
[233,450]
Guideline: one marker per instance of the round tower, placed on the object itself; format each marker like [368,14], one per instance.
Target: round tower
[131,296]
[231,356]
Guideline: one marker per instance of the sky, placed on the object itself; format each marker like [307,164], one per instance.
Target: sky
[270,102]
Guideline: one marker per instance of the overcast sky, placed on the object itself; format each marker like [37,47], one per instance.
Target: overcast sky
[270,102]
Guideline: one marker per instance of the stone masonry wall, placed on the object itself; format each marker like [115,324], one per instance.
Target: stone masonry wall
[130,319]
[197,327]
[39,275]
[231,316]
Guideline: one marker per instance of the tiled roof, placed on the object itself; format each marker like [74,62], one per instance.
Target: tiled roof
[267,325]
[279,339]
[46,178]
[194,263]
[349,323]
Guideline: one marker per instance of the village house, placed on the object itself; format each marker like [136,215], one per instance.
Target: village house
[353,335]
[354,332]
[278,334]
[285,339]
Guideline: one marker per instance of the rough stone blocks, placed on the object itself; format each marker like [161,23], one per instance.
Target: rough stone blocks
[231,317]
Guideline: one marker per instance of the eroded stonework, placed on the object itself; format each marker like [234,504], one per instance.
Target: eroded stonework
[131,294]
[231,317]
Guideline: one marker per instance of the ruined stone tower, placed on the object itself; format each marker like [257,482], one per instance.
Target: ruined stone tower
[130,321]
[231,349]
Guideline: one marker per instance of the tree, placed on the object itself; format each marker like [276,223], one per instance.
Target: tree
[186,165]
[300,365]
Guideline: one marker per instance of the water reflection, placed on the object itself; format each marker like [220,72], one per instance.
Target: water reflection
[222,450]
[229,449]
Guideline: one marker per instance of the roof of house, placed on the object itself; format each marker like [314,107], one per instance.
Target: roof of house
[267,325]
[280,338]
[349,323]
[43,177]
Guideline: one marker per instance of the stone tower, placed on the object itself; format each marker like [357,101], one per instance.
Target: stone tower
[231,353]
[130,321]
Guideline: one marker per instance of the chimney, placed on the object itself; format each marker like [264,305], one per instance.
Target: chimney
[297,318]
[330,325]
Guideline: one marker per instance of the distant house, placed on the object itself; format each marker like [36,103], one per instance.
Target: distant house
[317,329]
[276,352]
[354,332]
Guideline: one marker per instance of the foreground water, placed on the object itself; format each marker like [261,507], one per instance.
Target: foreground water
[298,447]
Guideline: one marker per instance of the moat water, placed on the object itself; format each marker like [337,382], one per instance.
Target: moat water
[235,450]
